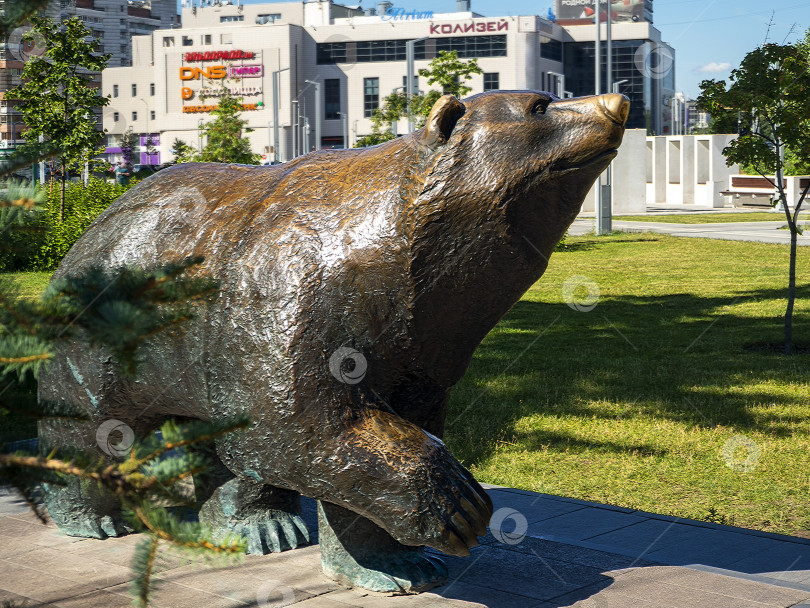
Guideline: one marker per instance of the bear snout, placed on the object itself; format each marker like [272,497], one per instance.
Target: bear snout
[616,107]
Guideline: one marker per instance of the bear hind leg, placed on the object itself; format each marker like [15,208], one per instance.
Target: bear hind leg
[358,553]
[267,516]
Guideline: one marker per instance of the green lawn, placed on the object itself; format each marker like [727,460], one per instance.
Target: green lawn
[26,285]
[632,403]
[710,218]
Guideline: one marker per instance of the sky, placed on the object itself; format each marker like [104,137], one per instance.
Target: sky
[710,37]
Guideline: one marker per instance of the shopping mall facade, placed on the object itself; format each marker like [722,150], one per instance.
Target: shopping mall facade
[312,73]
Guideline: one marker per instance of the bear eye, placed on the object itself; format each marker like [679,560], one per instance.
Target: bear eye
[540,105]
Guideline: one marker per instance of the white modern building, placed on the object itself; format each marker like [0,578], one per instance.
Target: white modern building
[311,73]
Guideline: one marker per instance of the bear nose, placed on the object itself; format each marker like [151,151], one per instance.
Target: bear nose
[616,107]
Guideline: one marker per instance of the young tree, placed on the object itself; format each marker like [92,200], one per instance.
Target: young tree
[224,142]
[446,70]
[57,99]
[128,141]
[767,94]
[183,153]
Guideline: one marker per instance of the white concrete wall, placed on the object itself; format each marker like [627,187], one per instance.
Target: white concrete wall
[629,183]
[687,170]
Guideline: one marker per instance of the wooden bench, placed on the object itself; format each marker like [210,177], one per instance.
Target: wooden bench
[756,191]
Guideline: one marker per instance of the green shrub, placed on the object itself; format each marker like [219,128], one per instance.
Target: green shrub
[82,206]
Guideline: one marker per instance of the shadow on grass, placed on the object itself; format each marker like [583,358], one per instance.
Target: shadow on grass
[680,357]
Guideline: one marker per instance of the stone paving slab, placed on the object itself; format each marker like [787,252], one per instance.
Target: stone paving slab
[596,556]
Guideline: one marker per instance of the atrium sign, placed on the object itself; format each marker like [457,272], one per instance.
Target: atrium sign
[400,14]
[478,27]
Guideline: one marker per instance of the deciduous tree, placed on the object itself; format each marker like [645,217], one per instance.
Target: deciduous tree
[768,95]
[57,96]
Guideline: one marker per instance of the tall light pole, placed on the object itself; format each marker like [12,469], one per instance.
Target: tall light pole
[317,86]
[597,86]
[410,57]
[276,75]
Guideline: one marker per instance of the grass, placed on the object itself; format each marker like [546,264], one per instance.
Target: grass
[710,218]
[25,285]
[634,402]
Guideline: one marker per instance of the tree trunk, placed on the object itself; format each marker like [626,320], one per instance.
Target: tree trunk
[791,291]
[62,199]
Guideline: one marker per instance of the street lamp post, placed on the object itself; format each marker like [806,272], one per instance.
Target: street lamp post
[410,53]
[276,74]
[317,86]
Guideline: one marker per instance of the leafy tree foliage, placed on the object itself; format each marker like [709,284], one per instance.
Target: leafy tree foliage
[224,142]
[446,70]
[57,101]
[767,94]
[183,153]
[128,141]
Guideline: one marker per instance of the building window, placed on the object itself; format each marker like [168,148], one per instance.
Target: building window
[331,98]
[134,116]
[226,38]
[467,47]
[151,115]
[380,50]
[168,41]
[115,90]
[268,18]
[115,116]
[552,49]
[371,96]
[187,41]
[331,52]
[230,18]
[491,81]
[134,90]
[152,89]
[415,89]
[207,39]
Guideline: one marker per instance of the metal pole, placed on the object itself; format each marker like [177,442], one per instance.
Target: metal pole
[346,128]
[410,72]
[597,86]
[607,193]
[269,141]
[295,127]
[317,112]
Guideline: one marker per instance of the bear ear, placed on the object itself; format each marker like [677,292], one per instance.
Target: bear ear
[441,121]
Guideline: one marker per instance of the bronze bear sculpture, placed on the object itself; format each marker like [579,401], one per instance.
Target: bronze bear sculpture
[354,287]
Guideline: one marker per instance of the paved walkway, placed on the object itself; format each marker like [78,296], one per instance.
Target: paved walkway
[763,232]
[573,553]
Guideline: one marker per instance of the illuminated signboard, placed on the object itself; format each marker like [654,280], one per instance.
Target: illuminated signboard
[474,27]
[218,55]
[198,109]
[621,10]
[255,70]
[214,72]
